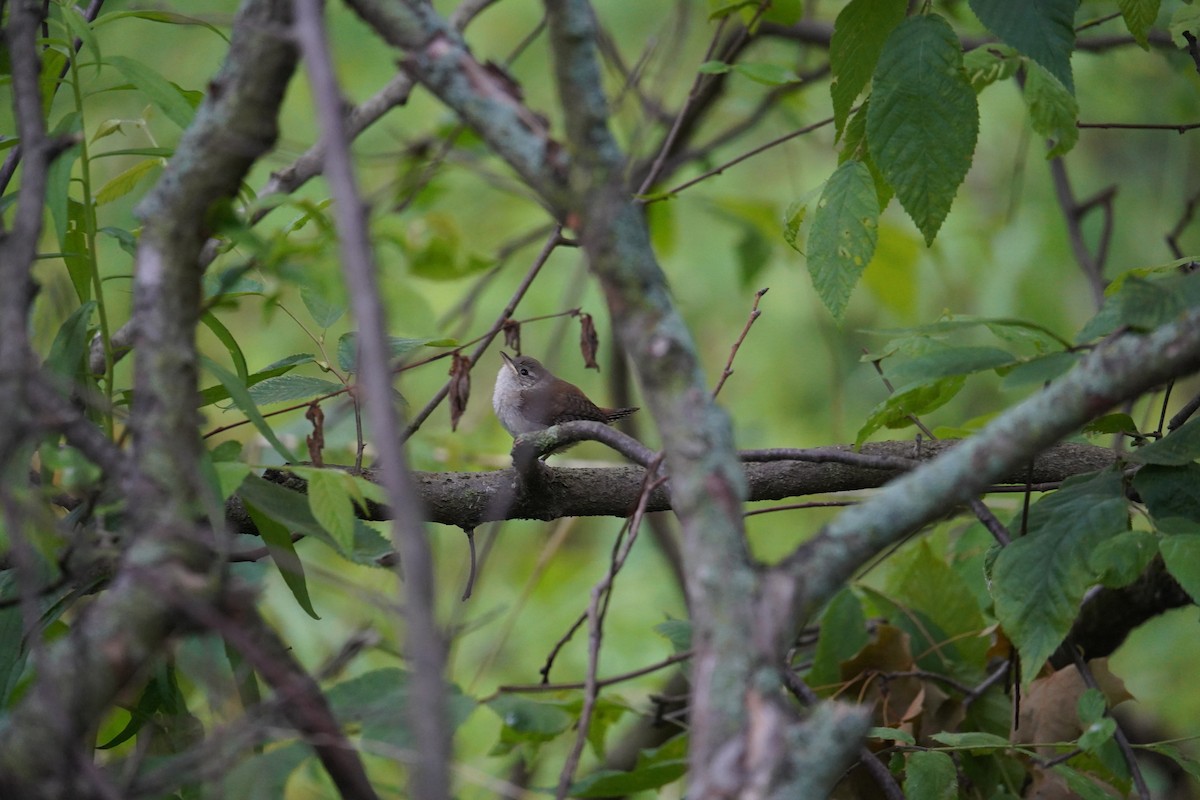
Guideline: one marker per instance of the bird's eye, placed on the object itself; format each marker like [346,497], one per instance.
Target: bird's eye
[525,372]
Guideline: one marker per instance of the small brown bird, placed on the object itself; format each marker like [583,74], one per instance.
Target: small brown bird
[528,397]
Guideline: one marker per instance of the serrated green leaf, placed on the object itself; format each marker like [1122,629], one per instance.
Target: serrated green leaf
[1170,491]
[1181,554]
[291,389]
[923,120]
[844,232]
[160,91]
[923,583]
[1139,15]
[278,540]
[1053,110]
[990,64]
[215,394]
[124,183]
[931,776]
[1179,447]
[947,361]
[920,399]
[854,147]
[843,633]
[1120,560]
[347,348]
[1039,580]
[972,740]
[859,32]
[1044,30]
[331,506]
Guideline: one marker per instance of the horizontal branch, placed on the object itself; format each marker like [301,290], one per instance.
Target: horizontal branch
[467,499]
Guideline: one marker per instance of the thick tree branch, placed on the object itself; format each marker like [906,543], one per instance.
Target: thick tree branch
[424,646]
[44,740]
[1119,370]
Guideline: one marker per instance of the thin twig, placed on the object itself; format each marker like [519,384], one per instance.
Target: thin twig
[994,526]
[801,506]
[1122,740]
[534,688]
[733,351]
[597,609]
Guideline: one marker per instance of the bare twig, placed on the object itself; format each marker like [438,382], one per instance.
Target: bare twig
[733,351]
[534,688]
[1135,770]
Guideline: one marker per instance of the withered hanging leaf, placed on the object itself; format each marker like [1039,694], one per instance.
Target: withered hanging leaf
[512,335]
[460,388]
[316,440]
[589,343]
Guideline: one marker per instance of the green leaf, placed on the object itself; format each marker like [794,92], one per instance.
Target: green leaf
[378,702]
[278,540]
[714,68]
[329,499]
[1044,30]
[1053,110]
[168,17]
[913,401]
[767,74]
[930,776]
[347,348]
[793,218]
[891,734]
[972,740]
[1139,15]
[1039,580]
[1081,784]
[948,361]
[922,582]
[1185,19]
[859,32]
[1040,370]
[923,120]
[1179,447]
[1120,560]
[844,232]
[854,147]
[1170,491]
[264,776]
[226,338]
[1111,423]
[71,343]
[323,312]
[287,507]
[676,631]
[843,633]
[76,254]
[1181,554]
[654,769]
[291,389]
[527,722]
[124,183]
[990,64]
[82,30]
[215,394]
[241,396]
[160,91]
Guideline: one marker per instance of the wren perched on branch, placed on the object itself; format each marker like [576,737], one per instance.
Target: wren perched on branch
[528,397]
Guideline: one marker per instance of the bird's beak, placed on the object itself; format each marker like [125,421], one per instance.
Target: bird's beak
[508,361]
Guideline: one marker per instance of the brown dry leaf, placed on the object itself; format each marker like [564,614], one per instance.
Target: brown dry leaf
[1049,710]
[512,334]
[866,680]
[460,388]
[589,343]
[316,440]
